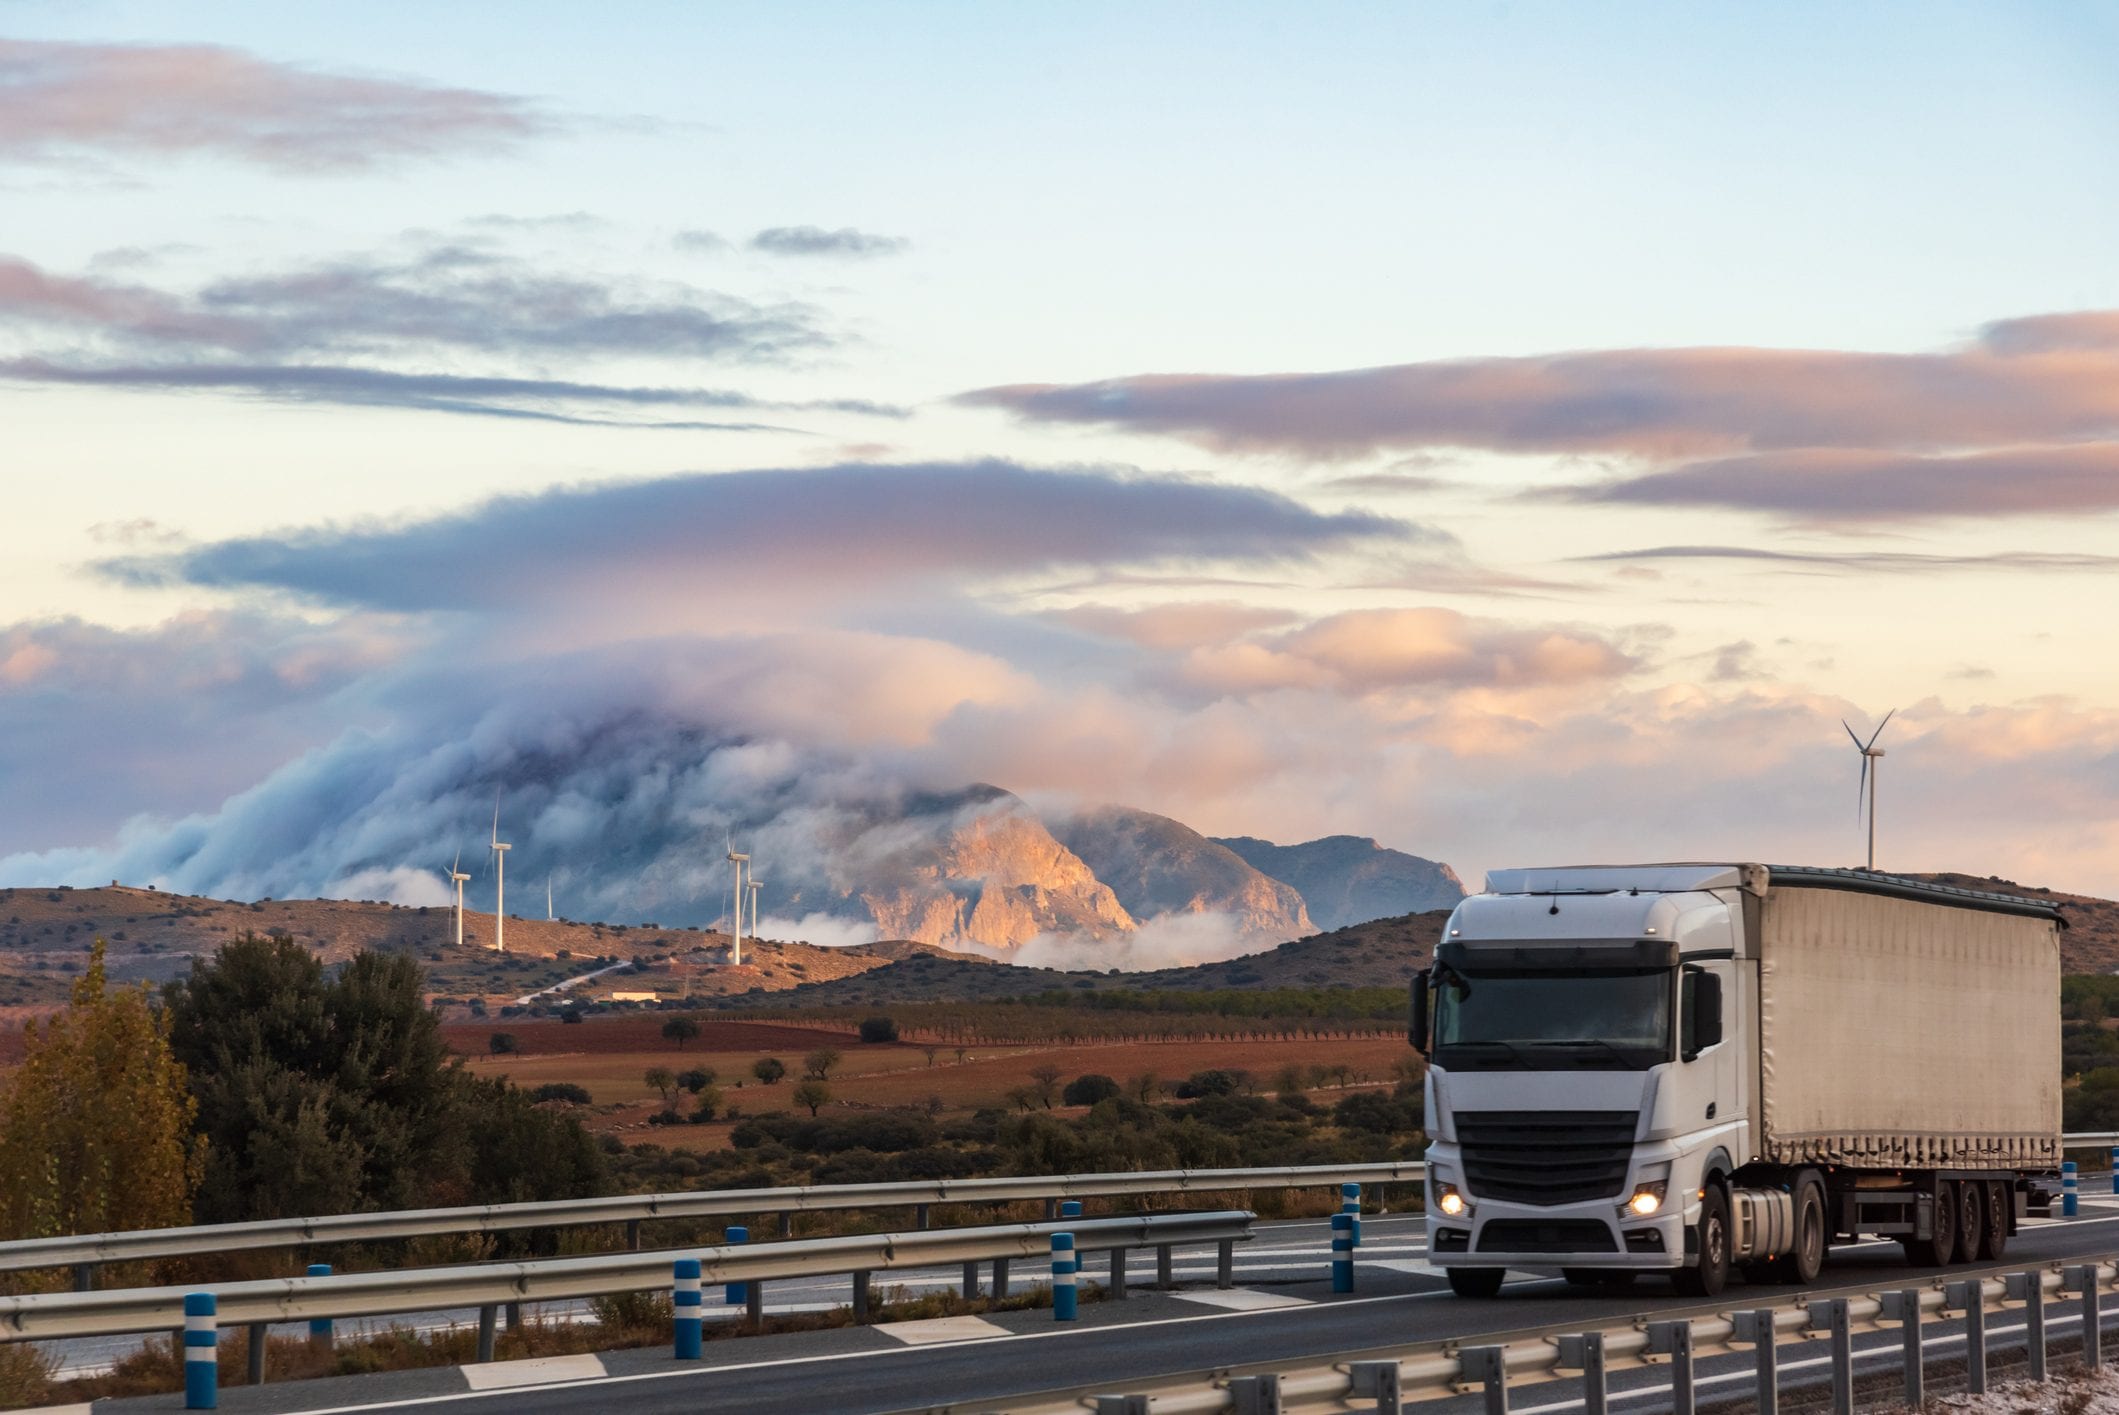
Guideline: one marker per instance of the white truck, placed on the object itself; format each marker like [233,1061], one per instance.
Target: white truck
[1689,1068]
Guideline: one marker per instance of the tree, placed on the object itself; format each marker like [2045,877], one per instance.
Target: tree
[1289,1080]
[697,1079]
[571,1015]
[501,1043]
[818,1064]
[664,1080]
[1144,1086]
[1088,1090]
[878,1029]
[95,1127]
[929,1051]
[1044,1083]
[813,1094]
[768,1069]
[680,1030]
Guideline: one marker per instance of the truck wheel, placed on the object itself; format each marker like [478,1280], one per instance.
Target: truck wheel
[1971,1220]
[1808,1259]
[1476,1282]
[1709,1272]
[1995,1245]
[1940,1249]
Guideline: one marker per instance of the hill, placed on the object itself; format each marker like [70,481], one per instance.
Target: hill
[1347,879]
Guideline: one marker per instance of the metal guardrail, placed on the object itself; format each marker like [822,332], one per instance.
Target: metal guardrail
[49,1316]
[87,1250]
[1385,1379]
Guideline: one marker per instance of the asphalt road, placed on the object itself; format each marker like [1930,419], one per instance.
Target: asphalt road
[973,1364]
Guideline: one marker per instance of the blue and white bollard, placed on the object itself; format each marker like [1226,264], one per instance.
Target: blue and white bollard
[1342,1253]
[1350,1205]
[2069,1199]
[202,1353]
[1064,1268]
[2115,1169]
[1070,1208]
[320,1327]
[687,1306]
[736,1292]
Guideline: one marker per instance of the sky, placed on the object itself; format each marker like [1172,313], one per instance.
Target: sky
[1518,432]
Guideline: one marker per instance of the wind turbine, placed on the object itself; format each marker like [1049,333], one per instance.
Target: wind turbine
[1871,754]
[457,877]
[735,956]
[500,883]
[756,884]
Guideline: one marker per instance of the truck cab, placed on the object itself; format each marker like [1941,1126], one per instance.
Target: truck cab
[1583,1082]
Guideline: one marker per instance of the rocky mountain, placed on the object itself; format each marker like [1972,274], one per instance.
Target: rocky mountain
[1345,879]
[1159,866]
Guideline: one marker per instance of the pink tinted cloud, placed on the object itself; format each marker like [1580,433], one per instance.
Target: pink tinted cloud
[153,100]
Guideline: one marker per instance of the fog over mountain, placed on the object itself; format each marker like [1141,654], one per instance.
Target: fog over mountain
[1349,879]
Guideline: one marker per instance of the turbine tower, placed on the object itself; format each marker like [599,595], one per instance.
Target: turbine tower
[739,860]
[549,916]
[500,883]
[457,877]
[756,884]
[1871,754]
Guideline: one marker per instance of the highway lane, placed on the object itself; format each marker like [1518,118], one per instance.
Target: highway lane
[869,1370]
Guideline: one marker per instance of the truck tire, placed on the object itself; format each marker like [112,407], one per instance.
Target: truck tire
[1799,1266]
[1709,1271]
[1994,1246]
[1476,1282]
[1971,1220]
[1939,1250]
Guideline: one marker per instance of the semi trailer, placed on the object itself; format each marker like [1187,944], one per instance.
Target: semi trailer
[1694,1069]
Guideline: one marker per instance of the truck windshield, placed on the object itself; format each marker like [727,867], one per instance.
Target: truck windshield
[1613,1020]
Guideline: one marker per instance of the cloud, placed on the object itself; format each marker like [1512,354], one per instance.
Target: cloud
[1837,485]
[699,242]
[146,100]
[816,241]
[786,532]
[2055,379]
[1897,562]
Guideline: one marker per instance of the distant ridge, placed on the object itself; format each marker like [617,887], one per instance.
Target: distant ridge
[1346,879]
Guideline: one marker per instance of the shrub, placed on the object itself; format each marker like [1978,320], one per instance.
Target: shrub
[818,1064]
[878,1029]
[502,1043]
[561,1091]
[1088,1090]
[680,1030]
[1210,1083]
[768,1069]
[697,1079]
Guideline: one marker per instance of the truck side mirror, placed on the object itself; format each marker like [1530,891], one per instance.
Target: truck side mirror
[1703,1025]
[1416,1021]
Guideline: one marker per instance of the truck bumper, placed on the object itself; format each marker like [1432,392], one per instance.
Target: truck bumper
[1587,1235]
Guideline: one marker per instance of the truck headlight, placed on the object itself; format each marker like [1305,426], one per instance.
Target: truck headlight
[1451,1201]
[1647,1198]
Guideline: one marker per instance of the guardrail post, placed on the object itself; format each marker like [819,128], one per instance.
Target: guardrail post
[486,1323]
[1255,1395]
[754,1303]
[1381,1382]
[1757,1328]
[1164,1277]
[514,1311]
[2083,1279]
[1970,1295]
[1350,1204]
[860,1297]
[320,1328]
[971,1280]
[1903,1307]
[920,1215]
[736,1291]
[2029,1289]
[1674,1339]
[1063,1271]
[202,1357]
[1486,1367]
[787,1224]
[85,1276]
[1051,1209]
[1585,1353]
[1834,1317]
[2070,1204]
[632,1235]
[1225,1263]
[1000,1277]
[1118,1274]
[1121,1405]
[1342,1253]
[687,1310]
[255,1342]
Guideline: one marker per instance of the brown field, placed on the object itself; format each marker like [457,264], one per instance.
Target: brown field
[642,1032]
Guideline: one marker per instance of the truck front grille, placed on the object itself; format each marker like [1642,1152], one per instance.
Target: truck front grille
[1546,1156]
[1530,1235]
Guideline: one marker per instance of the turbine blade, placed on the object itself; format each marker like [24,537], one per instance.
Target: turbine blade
[1880,729]
[1861,789]
[1850,733]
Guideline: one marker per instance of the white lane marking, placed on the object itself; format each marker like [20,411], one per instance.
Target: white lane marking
[937,1331]
[1242,1299]
[537,1371]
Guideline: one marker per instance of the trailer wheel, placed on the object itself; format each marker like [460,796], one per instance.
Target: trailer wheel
[1995,1244]
[1476,1282]
[1709,1272]
[1971,1220]
[1939,1249]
